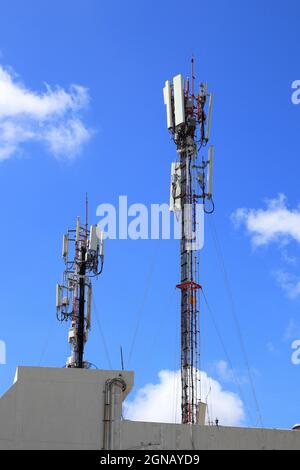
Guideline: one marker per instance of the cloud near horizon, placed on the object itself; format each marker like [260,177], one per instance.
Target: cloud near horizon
[160,402]
[51,118]
[276,223]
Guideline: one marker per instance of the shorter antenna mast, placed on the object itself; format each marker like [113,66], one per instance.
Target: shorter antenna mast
[83,255]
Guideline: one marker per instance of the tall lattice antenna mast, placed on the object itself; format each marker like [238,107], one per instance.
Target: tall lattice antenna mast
[83,254]
[188,120]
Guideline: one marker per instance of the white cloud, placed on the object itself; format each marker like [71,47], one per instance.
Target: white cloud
[161,402]
[67,137]
[275,223]
[288,259]
[292,331]
[289,283]
[226,374]
[51,117]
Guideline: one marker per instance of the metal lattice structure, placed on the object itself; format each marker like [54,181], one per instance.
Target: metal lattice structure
[191,195]
[83,254]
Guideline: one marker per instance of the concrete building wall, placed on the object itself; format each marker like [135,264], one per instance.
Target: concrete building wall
[153,436]
[56,408]
[73,409]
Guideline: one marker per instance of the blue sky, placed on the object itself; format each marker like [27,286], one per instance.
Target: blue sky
[121,53]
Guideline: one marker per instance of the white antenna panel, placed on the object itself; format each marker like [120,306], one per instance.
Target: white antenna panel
[209,117]
[178,89]
[203,89]
[101,250]
[65,246]
[175,190]
[58,301]
[210,171]
[77,229]
[168,103]
[93,245]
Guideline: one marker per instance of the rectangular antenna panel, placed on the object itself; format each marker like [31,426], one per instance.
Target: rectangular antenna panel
[101,249]
[77,229]
[210,171]
[209,117]
[93,245]
[168,103]
[65,246]
[178,87]
[58,301]
[175,190]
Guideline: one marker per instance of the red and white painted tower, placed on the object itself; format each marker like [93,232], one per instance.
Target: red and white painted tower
[188,121]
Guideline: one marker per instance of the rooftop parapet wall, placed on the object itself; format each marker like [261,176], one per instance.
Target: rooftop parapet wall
[155,436]
[50,408]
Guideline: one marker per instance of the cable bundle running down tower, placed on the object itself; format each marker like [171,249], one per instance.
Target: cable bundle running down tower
[83,254]
[191,196]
